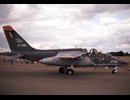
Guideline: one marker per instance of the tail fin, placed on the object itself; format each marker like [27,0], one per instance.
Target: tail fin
[16,42]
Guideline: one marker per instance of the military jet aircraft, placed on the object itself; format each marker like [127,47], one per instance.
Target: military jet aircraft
[75,57]
[83,58]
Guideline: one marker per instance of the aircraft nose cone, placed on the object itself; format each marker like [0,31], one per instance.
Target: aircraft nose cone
[123,62]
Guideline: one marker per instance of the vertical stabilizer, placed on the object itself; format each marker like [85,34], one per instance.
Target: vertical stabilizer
[15,41]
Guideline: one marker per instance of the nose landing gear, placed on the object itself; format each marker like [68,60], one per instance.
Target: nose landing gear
[114,71]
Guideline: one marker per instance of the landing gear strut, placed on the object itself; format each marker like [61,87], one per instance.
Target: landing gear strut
[70,71]
[114,71]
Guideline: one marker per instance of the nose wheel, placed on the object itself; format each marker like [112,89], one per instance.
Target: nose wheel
[115,71]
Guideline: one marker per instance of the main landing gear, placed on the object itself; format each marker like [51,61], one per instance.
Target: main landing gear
[61,70]
[68,71]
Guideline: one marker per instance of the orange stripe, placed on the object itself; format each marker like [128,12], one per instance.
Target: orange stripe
[8,28]
[10,34]
[65,57]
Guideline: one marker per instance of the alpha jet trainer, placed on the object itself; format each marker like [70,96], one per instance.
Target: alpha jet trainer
[82,58]
[75,57]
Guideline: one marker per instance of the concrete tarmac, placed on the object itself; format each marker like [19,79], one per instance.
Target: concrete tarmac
[28,79]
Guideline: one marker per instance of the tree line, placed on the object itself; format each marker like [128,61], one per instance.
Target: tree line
[119,53]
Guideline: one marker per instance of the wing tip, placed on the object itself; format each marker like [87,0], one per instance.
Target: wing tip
[8,28]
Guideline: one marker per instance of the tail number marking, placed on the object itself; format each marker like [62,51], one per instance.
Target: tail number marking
[114,61]
[21,45]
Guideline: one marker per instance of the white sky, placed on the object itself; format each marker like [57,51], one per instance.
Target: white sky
[51,26]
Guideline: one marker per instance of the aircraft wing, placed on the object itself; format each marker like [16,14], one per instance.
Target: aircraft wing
[15,56]
[70,54]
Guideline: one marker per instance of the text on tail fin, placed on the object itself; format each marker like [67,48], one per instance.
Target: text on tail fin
[15,41]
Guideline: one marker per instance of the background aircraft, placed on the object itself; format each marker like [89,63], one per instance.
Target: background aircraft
[75,57]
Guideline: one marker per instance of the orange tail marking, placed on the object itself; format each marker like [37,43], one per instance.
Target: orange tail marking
[8,28]
[10,34]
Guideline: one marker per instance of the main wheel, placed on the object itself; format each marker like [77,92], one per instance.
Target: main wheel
[61,70]
[69,72]
[113,72]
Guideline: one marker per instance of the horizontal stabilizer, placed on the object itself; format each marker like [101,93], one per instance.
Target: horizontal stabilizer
[15,57]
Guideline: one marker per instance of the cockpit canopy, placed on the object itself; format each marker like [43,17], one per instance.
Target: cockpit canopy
[109,55]
[93,51]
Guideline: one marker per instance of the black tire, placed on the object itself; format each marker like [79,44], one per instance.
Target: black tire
[61,70]
[69,72]
[113,72]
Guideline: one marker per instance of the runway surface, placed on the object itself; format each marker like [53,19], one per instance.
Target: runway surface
[27,79]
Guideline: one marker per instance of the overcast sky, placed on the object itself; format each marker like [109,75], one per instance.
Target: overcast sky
[105,27]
